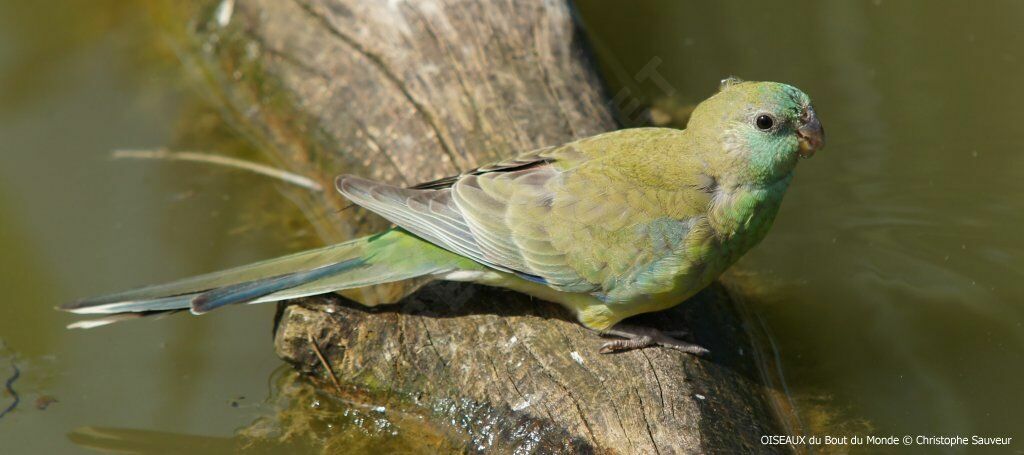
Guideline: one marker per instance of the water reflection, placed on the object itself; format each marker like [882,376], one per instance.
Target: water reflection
[309,417]
[299,419]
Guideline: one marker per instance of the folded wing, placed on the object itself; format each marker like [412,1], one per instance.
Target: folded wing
[555,216]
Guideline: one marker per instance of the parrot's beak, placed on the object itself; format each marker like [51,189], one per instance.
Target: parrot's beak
[811,134]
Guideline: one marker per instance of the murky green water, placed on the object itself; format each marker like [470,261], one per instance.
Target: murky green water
[892,281]
[77,81]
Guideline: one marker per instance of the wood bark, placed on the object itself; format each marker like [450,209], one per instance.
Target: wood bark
[407,91]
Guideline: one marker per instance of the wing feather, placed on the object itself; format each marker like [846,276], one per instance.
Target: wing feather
[558,215]
[425,213]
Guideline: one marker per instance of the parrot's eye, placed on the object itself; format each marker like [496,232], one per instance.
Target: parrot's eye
[764,122]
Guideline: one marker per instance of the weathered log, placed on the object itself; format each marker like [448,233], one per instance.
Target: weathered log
[408,91]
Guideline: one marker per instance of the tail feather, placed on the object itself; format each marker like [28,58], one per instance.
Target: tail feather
[390,256]
[252,290]
[178,294]
[118,317]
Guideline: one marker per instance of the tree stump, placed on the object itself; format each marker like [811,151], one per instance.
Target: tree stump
[408,91]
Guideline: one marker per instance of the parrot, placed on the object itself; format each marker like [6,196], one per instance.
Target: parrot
[631,221]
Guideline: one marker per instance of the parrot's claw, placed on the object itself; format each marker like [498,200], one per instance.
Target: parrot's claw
[642,337]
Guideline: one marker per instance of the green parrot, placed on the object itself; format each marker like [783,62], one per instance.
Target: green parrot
[610,226]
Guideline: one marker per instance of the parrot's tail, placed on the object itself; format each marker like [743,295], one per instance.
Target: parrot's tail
[393,255]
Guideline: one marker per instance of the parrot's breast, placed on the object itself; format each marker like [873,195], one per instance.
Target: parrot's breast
[743,216]
[735,223]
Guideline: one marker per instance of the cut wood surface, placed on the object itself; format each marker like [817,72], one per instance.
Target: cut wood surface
[408,91]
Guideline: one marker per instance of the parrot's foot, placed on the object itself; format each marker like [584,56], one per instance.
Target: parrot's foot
[642,337]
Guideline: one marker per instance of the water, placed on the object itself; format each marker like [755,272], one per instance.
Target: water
[76,82]
[891,280]
[892,277]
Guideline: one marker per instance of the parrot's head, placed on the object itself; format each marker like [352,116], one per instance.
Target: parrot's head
[763,127]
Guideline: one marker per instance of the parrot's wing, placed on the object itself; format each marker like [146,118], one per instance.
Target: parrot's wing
[557,216]
[562,154]
[591,228]
[429,214]
[429,211]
